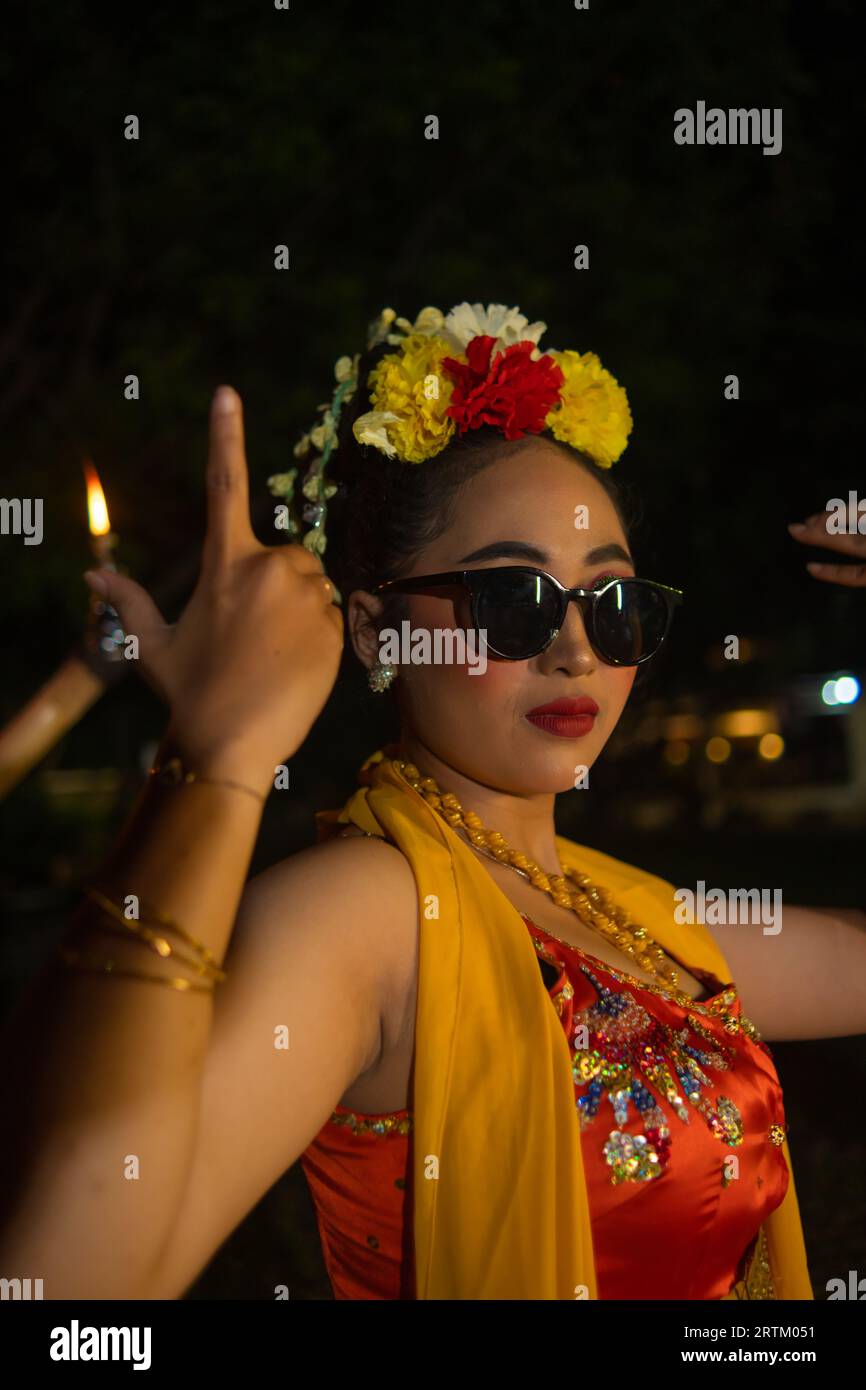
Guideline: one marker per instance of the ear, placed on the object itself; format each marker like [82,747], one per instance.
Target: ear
[363,611]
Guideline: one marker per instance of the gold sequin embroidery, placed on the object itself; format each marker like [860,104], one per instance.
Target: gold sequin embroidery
[757,1282]
[397,1122]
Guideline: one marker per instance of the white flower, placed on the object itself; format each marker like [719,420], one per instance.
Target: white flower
[343,368]
[508,326]
[370,429]
[324,431]
[428,322]
[283,484]
[379,327]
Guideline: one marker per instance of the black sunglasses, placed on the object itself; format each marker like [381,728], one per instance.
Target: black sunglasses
[522,609]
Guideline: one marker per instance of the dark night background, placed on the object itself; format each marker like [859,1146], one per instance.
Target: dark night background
[155,257]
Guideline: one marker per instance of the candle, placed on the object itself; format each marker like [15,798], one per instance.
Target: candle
[104,636]
[102,538]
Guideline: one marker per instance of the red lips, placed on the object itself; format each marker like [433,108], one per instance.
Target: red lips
[584,705]
[565,718]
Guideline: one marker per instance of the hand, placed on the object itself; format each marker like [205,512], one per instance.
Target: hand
[255,653]
[814,532]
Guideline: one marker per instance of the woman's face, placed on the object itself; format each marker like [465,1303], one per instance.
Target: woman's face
[525,504]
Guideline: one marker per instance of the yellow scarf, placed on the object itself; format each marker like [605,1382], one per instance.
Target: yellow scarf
[500,1202]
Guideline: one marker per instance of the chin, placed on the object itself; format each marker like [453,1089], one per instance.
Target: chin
[552,769]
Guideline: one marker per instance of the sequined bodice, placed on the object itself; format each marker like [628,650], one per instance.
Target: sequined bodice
[681,1121]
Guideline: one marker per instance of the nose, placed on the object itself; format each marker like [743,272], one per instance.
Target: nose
[570,650]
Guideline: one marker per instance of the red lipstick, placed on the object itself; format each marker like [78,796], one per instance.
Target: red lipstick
[565,718]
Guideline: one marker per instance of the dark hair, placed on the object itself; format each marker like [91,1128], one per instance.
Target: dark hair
[386,511]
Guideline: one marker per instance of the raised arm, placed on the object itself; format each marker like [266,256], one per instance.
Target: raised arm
[100,1107]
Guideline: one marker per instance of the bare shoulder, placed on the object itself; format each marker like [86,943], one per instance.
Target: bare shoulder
[368,865]
[356,898]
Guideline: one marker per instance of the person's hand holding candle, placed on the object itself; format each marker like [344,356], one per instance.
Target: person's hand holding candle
[253,657]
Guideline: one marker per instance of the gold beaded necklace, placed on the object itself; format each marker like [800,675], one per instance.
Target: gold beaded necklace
[592,904]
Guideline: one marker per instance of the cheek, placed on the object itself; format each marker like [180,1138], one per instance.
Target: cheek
[617,682]
[497,684]
[621,680]
[485,697]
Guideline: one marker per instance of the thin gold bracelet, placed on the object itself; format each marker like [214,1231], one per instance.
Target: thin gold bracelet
[74,961]
[174,774]
[110,906]
[154,942]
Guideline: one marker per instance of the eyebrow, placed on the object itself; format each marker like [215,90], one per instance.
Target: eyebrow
[522,550]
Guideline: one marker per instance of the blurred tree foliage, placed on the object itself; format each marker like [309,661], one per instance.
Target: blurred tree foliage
[305,126]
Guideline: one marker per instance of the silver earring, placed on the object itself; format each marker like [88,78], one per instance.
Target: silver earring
[380,676]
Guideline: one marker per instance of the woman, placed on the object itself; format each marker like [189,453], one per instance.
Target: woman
[380,1005]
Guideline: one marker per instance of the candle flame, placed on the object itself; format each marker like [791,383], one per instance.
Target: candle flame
[97,510]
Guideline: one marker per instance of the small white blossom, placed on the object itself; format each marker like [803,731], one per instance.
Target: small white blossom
[324,431]
[370,429]
[379,327]
[281,484]
[428,322]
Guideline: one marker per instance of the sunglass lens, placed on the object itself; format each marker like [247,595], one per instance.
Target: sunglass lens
[631,620]
[518,610]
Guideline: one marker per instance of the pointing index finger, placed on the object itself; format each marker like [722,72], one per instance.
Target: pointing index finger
[227,480]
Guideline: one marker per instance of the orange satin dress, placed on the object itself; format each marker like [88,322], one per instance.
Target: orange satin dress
[678,1183]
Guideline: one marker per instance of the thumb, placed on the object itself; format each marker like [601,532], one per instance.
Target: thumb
[137,611]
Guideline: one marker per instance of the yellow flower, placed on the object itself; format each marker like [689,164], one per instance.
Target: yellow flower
[410,386]
[593,413]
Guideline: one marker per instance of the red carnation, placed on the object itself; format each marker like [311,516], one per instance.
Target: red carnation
[513,392]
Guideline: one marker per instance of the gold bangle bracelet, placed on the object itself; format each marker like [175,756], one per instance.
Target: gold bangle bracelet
[110,906]
[74,961]
[152,941]
[174,774]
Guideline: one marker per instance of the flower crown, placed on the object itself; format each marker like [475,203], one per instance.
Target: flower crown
[453,373]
